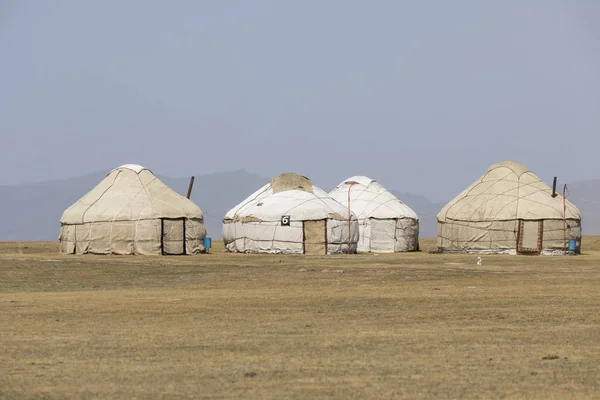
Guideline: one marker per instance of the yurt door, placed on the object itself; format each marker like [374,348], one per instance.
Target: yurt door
[173,236]
[530,237]
[383,235]
[315,237]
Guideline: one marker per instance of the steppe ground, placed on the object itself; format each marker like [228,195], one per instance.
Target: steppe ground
[222,325]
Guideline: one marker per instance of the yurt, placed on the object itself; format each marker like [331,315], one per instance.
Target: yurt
[509,210]
[290,215]
[132,212]
[385,224]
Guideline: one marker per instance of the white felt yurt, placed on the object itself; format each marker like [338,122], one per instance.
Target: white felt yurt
[132,212]
[386,224]
[290,215]
[508,210]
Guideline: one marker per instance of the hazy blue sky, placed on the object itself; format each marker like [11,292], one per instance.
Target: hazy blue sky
[420,95]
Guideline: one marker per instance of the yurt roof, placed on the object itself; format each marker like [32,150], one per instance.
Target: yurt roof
[507,191]
[134,167]
[129,193]
[288,194]
[369,199]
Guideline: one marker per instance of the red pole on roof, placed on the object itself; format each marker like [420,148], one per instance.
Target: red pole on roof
[349,215]
[565,217]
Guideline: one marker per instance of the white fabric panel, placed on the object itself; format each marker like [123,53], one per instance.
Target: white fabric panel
[121,237]
[67,239]
[82,238]
[147,237]
[134,167]
[263,237]
[364,235]
[383,235]
[99,235]
[337,236]
[194,236]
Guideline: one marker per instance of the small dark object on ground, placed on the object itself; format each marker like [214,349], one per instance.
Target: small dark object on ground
[552,357]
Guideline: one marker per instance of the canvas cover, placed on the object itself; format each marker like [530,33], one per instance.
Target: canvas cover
[386,224]
[486,216]
[124,214]
[255,225]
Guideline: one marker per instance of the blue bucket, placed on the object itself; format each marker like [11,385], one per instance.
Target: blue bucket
[207,243]
[572,245]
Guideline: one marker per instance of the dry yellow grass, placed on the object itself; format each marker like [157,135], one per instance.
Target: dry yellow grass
[247,326]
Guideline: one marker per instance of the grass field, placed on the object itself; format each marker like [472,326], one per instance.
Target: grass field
[222,325]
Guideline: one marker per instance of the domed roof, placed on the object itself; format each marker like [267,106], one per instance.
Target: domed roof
[288,194]
[507,191]
[369,199]
[130,192]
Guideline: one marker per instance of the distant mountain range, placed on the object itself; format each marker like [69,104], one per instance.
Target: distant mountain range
[31,212]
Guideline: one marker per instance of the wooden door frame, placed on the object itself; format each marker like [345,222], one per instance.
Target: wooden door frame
[304,234]
[162,236]
[540,238]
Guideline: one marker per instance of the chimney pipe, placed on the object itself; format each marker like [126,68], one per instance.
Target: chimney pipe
[554,188]
[192,185]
